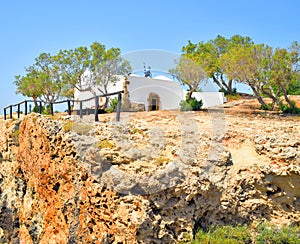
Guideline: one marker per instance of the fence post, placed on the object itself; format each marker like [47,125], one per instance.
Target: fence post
[51,109]
[69,107]
[40,108]
[25,107]
[18,110]
[96,108]
[80,111]
[5,114]
[119,107]
[10,112]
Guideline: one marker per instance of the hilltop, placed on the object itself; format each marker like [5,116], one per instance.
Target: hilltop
[154,177]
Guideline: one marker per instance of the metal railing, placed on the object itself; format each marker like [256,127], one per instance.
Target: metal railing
[69,101]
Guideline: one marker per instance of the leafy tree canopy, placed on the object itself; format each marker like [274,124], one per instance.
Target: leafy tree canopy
[190,73]
[52,77]
[270,72]
[208,55]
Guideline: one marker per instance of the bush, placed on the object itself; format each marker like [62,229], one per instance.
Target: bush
[233,91]
[45,110]
[191,105]
[36,109]
[266,106]
[285,108]
[113,103]
[233,96]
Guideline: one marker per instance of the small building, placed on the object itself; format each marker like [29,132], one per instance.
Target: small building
[145,93]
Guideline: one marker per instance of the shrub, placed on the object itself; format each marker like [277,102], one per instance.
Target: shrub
[113,103]
[233,91]
[266,106]
[36,109]
[191,104]
[233,96]
[285,108]
[45,110]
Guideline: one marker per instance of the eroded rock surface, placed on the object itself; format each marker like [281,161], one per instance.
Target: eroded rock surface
[152,178]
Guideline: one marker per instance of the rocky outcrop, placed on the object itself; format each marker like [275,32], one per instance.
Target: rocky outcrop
[278,147]
[66,181]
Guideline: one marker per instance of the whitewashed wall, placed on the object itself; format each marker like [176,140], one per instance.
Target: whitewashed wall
[87,94]
[210,99]
[170,92]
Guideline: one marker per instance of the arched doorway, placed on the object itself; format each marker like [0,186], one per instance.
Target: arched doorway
[154,102]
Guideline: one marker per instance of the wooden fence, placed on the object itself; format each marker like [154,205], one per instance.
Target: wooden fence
[69,101]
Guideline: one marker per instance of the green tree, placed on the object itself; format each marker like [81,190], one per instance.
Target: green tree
[27,86]
[209,56]
[294,86]
[268,72]
[285,72]
[189,73]
[73,64]
[242,64]
[106,68]
[92,69]
[82,68]
[43,80]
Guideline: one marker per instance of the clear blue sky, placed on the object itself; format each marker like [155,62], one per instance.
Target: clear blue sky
[31,27]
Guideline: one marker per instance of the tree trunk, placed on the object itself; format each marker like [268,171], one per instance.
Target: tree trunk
[106,102]
[190,93]
[261,101]
[103,91]
[219,84]
[258,96]
[222,84]
[291,104]
[34,101]
[230,86]
[271,94]
[106,98]
[227,87]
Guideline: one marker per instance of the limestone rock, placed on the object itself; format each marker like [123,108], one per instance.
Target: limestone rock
[150,179]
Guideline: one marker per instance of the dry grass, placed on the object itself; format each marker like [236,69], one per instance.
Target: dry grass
[106,144]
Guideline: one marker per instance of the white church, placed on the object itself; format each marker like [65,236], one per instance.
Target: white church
[147,94]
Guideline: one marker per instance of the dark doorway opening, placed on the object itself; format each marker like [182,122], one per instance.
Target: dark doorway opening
[154,102]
